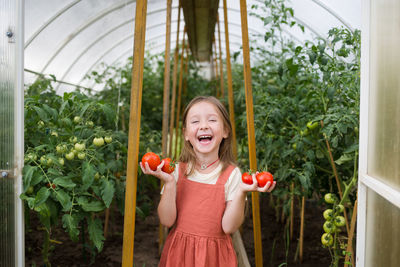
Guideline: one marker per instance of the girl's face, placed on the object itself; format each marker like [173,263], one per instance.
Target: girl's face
[204,128]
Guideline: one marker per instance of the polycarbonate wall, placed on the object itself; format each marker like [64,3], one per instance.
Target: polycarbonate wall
[378,226]
[71,38]
[11,133]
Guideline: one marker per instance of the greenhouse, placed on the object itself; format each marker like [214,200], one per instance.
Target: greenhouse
[200,133]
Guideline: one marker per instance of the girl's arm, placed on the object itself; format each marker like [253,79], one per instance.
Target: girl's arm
[167,206]
[234,211]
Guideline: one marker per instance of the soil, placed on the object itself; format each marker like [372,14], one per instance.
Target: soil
[68,253]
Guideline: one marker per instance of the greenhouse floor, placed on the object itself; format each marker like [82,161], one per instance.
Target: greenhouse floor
[70,253]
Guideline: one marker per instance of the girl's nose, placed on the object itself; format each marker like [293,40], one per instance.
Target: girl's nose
[204,124]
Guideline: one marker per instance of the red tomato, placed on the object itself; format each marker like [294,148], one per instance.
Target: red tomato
[169,165]
[152,159]
[246,178]
[263,178]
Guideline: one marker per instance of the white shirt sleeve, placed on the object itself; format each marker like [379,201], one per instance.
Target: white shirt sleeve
[232,184]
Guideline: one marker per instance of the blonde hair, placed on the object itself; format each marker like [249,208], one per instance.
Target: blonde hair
[225,152]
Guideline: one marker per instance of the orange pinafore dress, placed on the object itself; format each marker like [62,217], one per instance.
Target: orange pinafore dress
[197,240]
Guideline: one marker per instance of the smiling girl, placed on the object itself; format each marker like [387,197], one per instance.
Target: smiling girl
[204,198]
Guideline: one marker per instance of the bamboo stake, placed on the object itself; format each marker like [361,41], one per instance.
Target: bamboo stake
[178,107]
[176,54]
[134,133]
[229,80]
[292,213]
[332,161]
[303,204]
[350,238]
[221,73]
[162,230]
[251,132]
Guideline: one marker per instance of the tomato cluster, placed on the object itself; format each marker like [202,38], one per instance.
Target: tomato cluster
[262,178]
[333,219]
[154,160]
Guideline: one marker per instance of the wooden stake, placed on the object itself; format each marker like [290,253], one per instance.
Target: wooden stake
[292,212]
[174,72]
[134,133]
[229,81]
[251,132]
[350,237]
[221,73]
[303,204]
[178,107]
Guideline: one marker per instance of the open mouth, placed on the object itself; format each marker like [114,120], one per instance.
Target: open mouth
[204,139]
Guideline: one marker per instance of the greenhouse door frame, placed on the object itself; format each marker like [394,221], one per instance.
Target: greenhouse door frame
[365,180]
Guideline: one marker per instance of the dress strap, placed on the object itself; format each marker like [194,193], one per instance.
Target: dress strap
[223,178]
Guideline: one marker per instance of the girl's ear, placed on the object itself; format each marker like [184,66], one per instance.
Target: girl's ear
[184,134]
[225,134]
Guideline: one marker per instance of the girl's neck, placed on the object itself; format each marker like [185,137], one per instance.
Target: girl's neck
[207,163]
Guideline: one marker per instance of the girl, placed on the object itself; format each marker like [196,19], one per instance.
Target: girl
[204,198]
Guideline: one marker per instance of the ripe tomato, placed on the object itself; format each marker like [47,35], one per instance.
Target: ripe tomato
[152,159]
[246,178]
[169,165]
[263,178]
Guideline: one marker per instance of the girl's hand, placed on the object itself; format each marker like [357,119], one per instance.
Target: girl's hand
[163,176]
[254,187]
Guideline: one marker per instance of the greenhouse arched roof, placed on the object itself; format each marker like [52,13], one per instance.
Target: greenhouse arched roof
[69,39]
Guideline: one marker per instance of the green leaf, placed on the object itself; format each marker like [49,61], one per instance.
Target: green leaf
[95,229]
[44,215]
[42,114]
[42,196]
[94,206]
[344,158]
[51,111]
[28,172]
[107,192]
[64,199]
[88,175]
[64,182]
[71,225]
[83,109]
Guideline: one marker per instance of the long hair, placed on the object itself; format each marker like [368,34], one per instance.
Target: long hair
[225,152]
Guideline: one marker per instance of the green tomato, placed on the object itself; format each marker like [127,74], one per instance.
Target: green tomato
[330,198]
[32,156]
[40,124]
[90,123]
[77,119]
[61,161]
[294,146]
[29,190]
[79,147]
[329,227]
[70,155]
[54,133]
[73,139]
[340,221]
[327,239]
[328,214]
[312,125]
[59,149]
[97,176]
[81,155]
[43,160]
[108,139]
[98,141]
[339,208]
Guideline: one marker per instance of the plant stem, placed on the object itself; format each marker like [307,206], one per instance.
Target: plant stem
[45,251]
